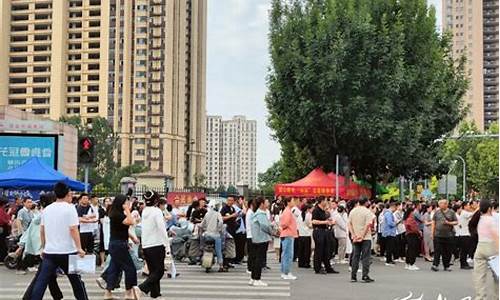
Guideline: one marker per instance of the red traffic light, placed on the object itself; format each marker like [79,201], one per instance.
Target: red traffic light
[86,144]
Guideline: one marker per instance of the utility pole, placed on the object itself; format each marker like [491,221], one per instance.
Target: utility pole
[464,175]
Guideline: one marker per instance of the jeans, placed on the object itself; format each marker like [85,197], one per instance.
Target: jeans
[321,254]
[413,241]
[54,289]
[286,254]
[218,246]
[120,261]
[47,273]
[155,257]
[361,251]
[442,248]
[260,252]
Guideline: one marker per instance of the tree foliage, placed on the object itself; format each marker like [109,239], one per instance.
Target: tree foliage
[372,80]
[480,155]
[105,172]
[269,178]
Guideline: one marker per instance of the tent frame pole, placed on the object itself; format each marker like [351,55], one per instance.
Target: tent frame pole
[337,177]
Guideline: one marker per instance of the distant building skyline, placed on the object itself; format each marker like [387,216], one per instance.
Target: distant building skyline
[474,29]
[140,64]
[231,152]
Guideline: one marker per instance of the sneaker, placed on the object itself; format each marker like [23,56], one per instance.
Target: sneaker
[407,266]
[354,279]
[466,268]
[322,272]
[249,272]
[288,276]
[470,260]
[434,268]
[399,260]
[20,272]
[413,268]
[259,283]
[331,271]
[382,259]
[101,283]
[389,264]
[251,282]
[367,279]
[32,269]
[447,269]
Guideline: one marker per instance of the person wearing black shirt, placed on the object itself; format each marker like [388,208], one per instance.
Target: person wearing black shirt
[230,216]
[120,220]
[320,222]
[199,211]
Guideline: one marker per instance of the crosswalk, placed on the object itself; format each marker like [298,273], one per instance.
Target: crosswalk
[192,284]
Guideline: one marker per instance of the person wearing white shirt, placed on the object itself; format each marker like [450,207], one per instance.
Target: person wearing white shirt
[60,238]
[250,248]
[178,211]
[400,234]
[464,237]
[341,218]
[155,244]
[304,225]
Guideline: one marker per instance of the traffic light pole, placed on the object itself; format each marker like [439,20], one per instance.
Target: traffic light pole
[86,178]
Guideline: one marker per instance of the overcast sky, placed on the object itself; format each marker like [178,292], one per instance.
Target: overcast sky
[237,62]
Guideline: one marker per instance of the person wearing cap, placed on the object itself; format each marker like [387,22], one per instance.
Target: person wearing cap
[155,244]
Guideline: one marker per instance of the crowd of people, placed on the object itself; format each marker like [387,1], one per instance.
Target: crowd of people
[131,236]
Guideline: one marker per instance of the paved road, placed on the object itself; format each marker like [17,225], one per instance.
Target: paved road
[193,283]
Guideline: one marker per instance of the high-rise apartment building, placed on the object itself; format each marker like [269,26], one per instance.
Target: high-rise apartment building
[139,63]
[474,28]
[231,152]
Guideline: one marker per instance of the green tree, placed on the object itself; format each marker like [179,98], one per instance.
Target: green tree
[232,190]
[200,181]
[270,177]
[105,142]
[126,171]
[221,189]
[371,80]
[481,157]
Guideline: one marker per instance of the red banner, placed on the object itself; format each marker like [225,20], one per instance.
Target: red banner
[186,198]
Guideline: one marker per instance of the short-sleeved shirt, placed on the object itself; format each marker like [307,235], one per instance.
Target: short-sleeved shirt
[232,224]
[361,217]
[57,218]
[25,216]
[319,214]
[197,215]
[86,211]
[118,230]
[443,230]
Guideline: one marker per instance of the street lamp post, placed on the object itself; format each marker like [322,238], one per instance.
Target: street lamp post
[464,175]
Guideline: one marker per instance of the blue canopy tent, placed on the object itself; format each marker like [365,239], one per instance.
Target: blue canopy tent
[36,175]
